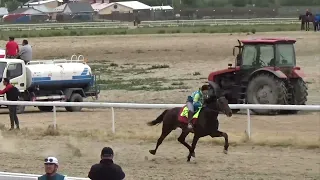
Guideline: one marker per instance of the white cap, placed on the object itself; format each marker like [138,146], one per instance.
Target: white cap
[51,160]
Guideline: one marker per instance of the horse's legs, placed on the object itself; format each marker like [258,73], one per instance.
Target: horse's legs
[226,139]
[164,134]
[193,146]
[182,140]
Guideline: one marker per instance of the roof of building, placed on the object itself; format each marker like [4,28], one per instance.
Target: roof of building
[161,7]
[132,4]
[59,8]
[24,9]
[3,11]
[38,2]
[268,40]
[80,7]
[99,6]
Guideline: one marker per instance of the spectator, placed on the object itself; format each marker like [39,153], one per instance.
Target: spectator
[12,49]
[25,52]
[106,169]
[308,13]
[51,167]
[12,95]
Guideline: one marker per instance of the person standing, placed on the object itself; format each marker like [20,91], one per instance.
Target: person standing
[12,49]
[51,167]
[25,52]
[12,94]
[106,169]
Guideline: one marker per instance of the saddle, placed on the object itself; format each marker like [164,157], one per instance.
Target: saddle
[183,115]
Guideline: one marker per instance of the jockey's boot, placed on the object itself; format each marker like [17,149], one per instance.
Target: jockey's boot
[190,116]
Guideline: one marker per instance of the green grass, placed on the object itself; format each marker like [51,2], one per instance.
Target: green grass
[155,30]
[114,77]
[145,84]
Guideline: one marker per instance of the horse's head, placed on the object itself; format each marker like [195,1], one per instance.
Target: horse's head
[216,100]
[300,16]
[223,106]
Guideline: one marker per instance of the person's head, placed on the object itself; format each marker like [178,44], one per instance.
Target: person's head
[51,165]
[11,38]
[25,42]
[6,81]
[107,153]
[204,88]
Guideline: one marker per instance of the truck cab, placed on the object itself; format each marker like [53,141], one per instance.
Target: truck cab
[15,70]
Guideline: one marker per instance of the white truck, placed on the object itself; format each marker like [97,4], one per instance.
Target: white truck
[50,80]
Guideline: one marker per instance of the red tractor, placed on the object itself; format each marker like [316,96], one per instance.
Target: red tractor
[265,72]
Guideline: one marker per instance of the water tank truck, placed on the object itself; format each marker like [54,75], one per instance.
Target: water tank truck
[50,80]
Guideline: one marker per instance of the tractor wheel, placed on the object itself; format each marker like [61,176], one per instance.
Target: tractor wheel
[300,93]
[266,89]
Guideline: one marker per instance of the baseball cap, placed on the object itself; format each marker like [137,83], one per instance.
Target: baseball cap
[51,160]
[107,151]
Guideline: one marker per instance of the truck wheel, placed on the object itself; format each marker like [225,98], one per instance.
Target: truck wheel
[300,93]
[20,109]
[75,98]
[45,108]
[266,89]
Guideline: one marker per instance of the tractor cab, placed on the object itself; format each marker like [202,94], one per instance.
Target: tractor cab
[259,53]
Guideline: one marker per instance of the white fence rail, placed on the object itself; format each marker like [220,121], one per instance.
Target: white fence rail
[21,176]
[157,106]
[88,25]
[216,22]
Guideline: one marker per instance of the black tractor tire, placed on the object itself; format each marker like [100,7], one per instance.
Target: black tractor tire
[75,98]
[45,108]
[278,92]
[300,94]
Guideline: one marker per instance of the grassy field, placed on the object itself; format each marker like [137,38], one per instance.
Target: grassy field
[157,30]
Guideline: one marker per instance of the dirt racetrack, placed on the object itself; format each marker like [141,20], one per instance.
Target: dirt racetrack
[282,147]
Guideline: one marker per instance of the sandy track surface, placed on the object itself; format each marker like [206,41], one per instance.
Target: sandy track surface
[83,134]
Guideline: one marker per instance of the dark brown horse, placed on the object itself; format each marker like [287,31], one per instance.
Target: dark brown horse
[305,22]
[206,124]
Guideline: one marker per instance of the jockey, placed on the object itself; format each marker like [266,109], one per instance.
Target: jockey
[194,102]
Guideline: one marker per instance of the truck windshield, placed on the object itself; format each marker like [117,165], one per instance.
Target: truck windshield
[3,65]
[286,55]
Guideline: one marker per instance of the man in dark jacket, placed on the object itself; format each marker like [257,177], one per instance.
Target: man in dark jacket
[106,169]
[12,95]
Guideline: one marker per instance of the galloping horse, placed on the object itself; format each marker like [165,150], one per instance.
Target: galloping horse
[206,123]
[305,20]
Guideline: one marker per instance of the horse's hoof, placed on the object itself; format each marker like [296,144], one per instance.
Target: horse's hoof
[193,154]
[153,152]
[225,151]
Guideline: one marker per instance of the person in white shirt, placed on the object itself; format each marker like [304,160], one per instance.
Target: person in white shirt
[25,52]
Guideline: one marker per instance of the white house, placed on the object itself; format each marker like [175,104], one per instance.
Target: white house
[3,11]
[161,8]
[123,7]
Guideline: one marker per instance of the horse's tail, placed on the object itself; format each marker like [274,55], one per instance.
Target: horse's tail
[158,120]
